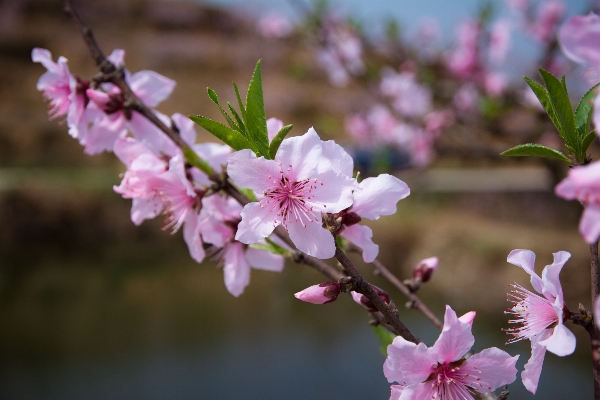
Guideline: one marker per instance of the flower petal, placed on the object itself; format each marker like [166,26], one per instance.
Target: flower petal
[408,363]
[250,172]
[335,158]
[379,196]
[491,368]
[191,235]
[332,192]
[361,236]
[312,239]
[455,340]
[185,127]
[236,270]
[152,137]
[274,125]
[103,134]
[526,260]
[257,223]
[262,259]
[143,209]
[550,275]
[151,87]
[301,154]
[532,370]
[579,39]
[589,225]
[562,341]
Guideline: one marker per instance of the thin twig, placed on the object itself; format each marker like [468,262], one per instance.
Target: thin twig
[364,288]
[415,301]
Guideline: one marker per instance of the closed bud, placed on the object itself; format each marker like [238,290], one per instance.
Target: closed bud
[322,293]
[425,268]
[366,303]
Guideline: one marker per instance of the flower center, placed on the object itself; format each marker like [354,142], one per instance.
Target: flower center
[291,199]
[456,380]
[533,312]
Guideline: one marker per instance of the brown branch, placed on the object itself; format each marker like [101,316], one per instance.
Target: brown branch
[364,288]
[415,301]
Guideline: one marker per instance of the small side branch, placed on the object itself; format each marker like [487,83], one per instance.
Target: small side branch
[364,288]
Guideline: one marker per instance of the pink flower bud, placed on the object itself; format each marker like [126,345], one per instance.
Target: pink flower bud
[468,317]
[366,303]
[425,268]
[323,293]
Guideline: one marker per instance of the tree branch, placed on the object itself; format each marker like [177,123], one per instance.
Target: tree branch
[364,288]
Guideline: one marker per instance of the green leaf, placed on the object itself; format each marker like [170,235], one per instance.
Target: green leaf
[583,113]
[542,94]
[196,161]
[587,140]
[563,80]
[239,99]
[229,136]
[213,96]
[278,139]
[248,193]
[564,113]
[534,150]
[384,337]
[256,121]
[237,118]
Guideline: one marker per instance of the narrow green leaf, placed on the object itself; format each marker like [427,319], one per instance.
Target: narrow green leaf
[563,80]
[213,96]
[278,139]
[384,337]
[256,121]
[562,107]
[239,99]
[587,140]
[237,118]
[196,161]
[542,94]
[583,112]
[229,136]
[534,150]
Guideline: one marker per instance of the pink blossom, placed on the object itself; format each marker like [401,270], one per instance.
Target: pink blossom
[494,83]
[579,39]
[378,196]
[499,40]
[323,293]
[64,91]
[409,98]
[441,371]
[437,120]
[425,268]
[463,60]
[112,122]
[357,126]
[548,16]
[274,125]
[362,300]
[465,99]
[221,216]
[583,184]
[274,25]
[298,185]
[541,319]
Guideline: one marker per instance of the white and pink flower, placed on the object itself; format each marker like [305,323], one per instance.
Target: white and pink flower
[442,372]
[298,185]
[583,184]
[540,318]
[376,197]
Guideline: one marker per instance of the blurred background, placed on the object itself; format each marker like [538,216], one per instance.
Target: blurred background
[94,307]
